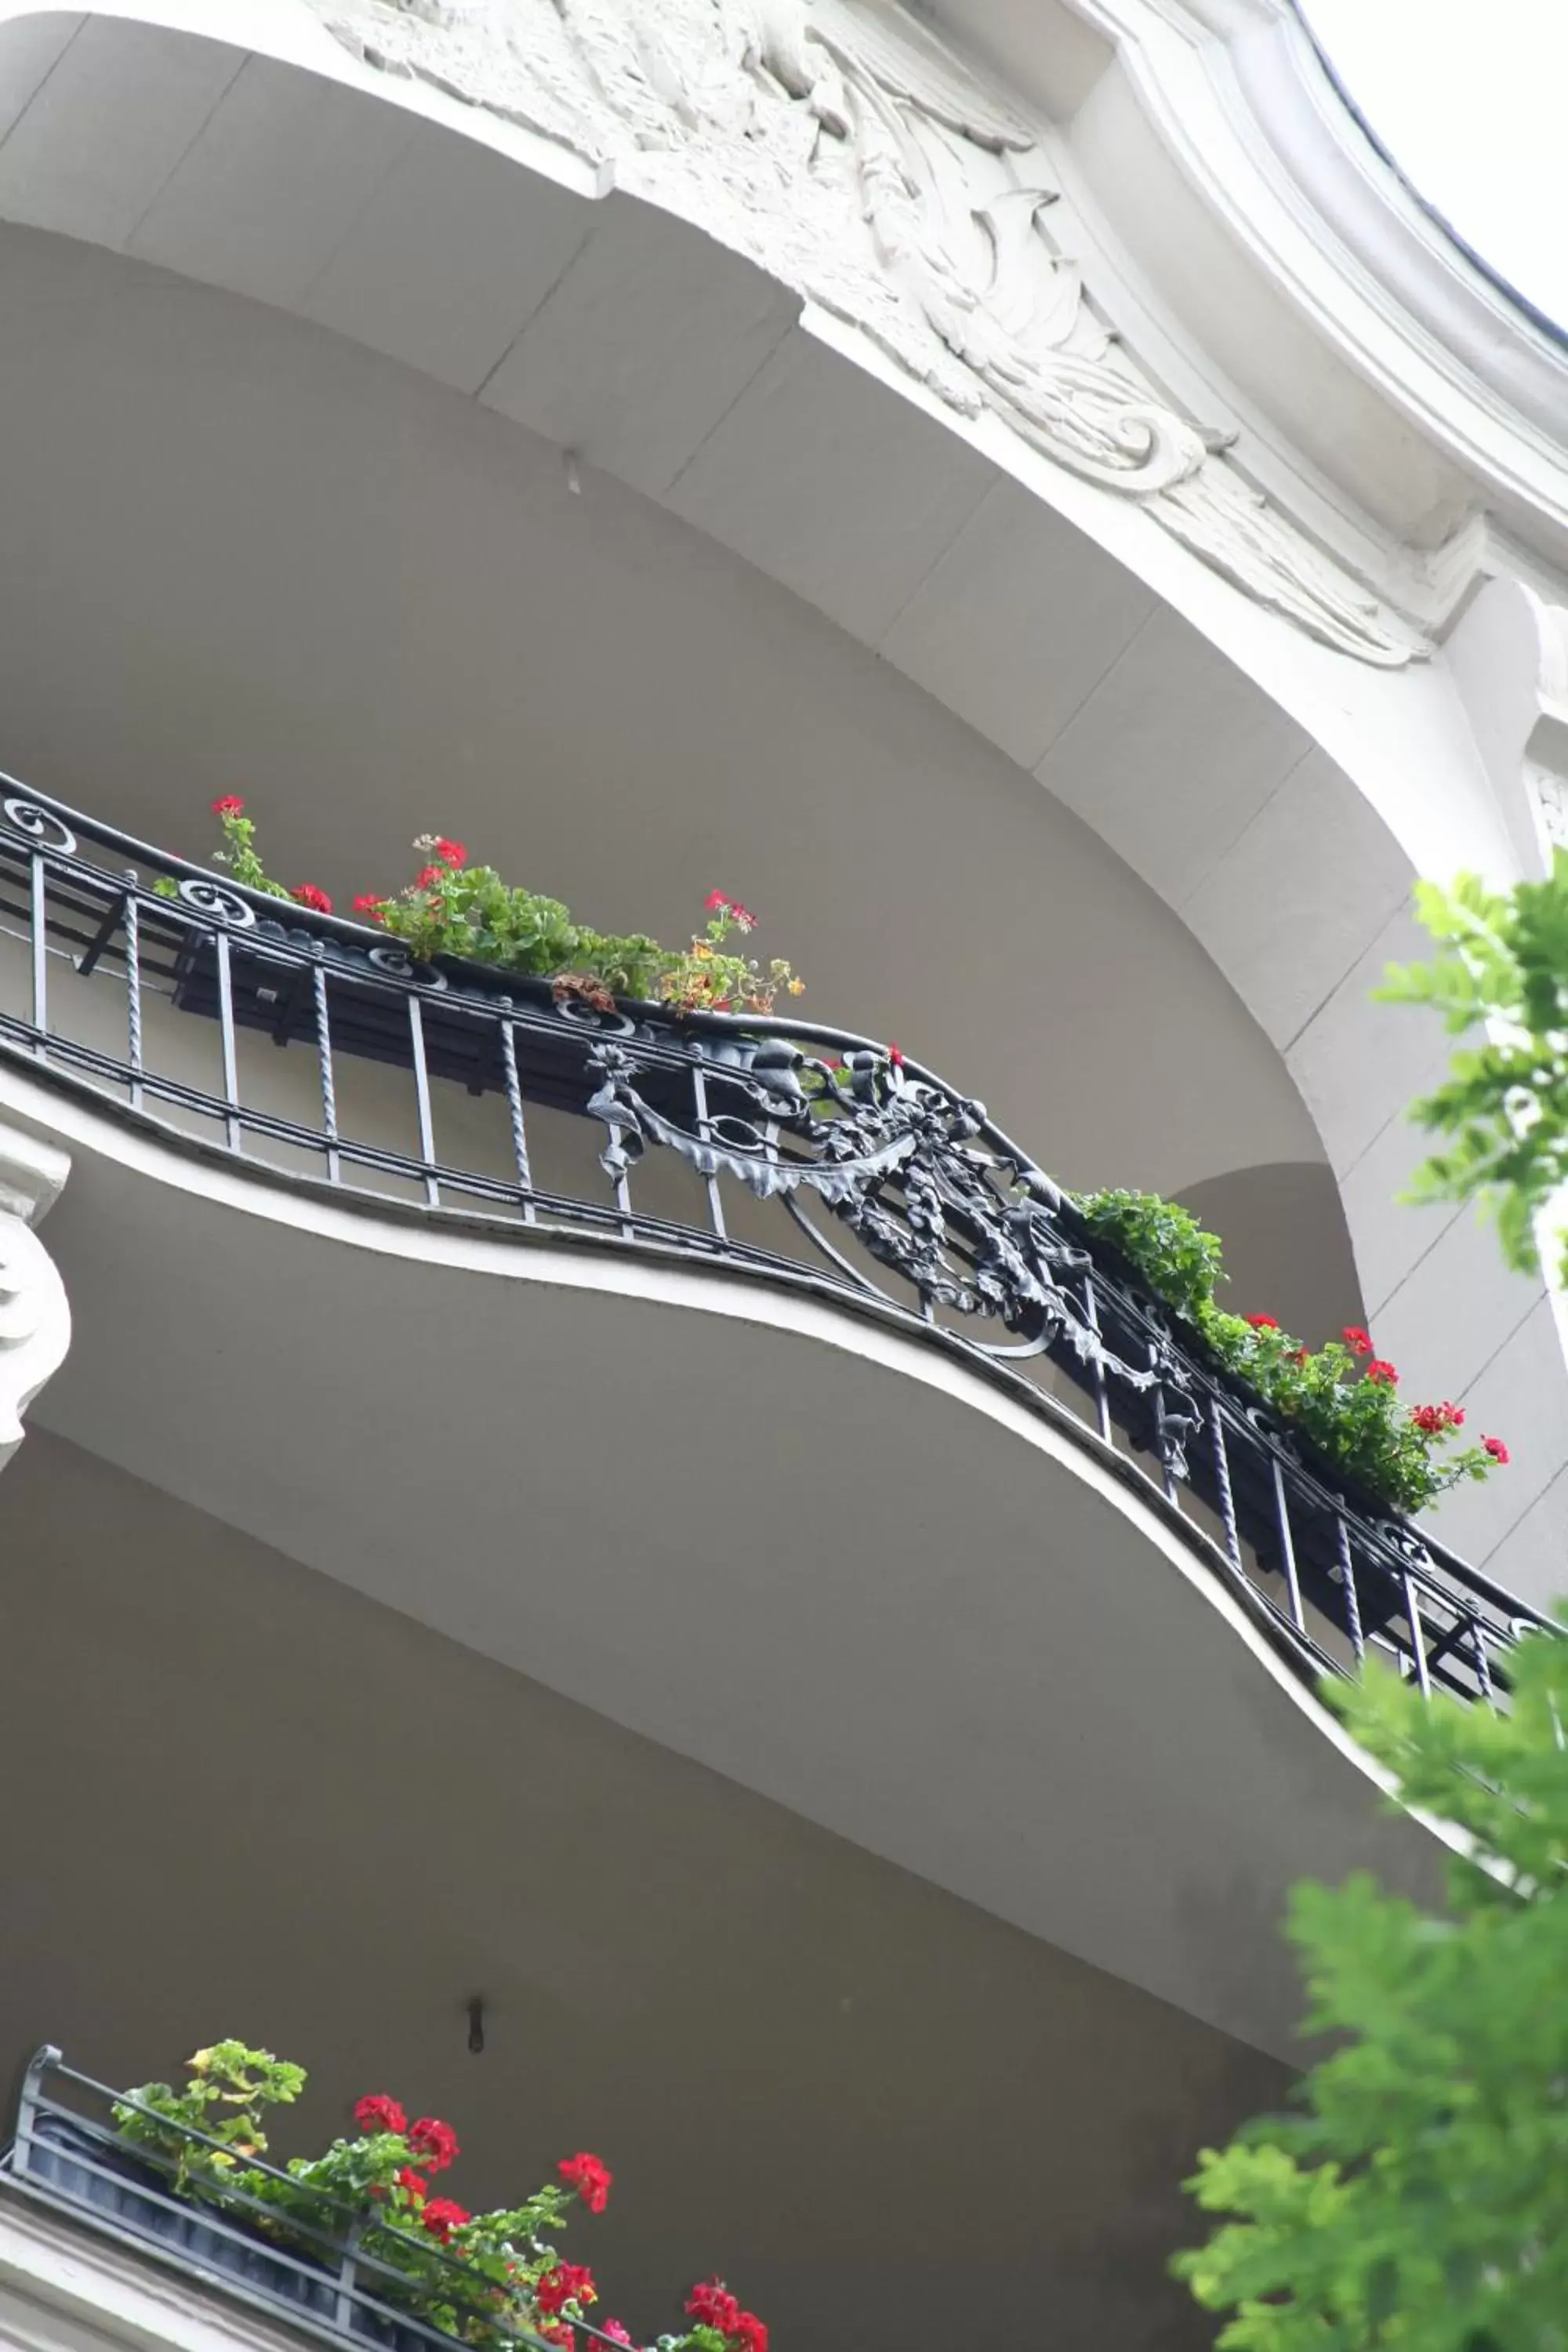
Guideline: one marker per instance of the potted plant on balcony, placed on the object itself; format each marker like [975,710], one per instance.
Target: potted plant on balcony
[465,929]
[360,2232]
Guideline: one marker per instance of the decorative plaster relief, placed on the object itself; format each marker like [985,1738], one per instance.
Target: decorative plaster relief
[34,1313]
[843,149]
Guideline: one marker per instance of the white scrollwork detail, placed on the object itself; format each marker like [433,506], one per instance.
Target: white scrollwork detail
[848,152]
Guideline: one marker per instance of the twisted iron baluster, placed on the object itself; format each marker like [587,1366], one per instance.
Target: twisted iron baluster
[133,986]
[514,1112]
[1222,1474]
[1352,1598]
[324,1064]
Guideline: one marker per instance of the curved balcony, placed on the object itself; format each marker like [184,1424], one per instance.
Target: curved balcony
[790,1153]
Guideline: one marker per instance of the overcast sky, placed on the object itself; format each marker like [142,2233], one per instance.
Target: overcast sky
[1470,97]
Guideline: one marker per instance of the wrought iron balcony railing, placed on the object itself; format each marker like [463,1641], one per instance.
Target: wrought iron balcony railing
[806,1157]
[313,2262]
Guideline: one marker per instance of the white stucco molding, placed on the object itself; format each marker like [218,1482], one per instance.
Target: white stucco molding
[35,1313]
[1236,211]
[835,144]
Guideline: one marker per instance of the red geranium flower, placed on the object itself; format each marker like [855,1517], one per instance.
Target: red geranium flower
[567,2282]
[895,1057]
[309,896]
[441,2217]
[436,2142]
[714,900]
[1299,1355]
[1261,1322]
[415,2183]
[615,2332]
[1381,1373]
[743,915]
[590,2177]
[1356,1340]
[1431,1420]
[367,903]
[229,805]
[428,876]
[1496,1449]
[450,853]
[559,2333]
[377,2113]
[711,2304]
[750,2331]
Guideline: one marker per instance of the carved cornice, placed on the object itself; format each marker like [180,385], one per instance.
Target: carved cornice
[849,154]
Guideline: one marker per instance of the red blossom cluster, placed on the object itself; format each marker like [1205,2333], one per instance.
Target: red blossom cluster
[433,2140]
[711,2304]
[1261,1322]
[1432,1419]
[895,1057]
[441,2216]
[367,903]
[563,2284]
[308,895]
[716,903]
[1381,1374]
[228,804]
[590,2177]
[1358,1341]
[1496,1449]
[376,2113]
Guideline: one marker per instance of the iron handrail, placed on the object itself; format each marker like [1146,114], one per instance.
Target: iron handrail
[893,1191]
[119,2191]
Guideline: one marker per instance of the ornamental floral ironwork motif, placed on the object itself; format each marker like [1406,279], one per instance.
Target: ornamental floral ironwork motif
[895,1195]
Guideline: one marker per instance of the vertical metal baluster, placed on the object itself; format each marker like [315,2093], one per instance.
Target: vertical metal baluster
[27,2107]
[225,1021]
[1287,1549]
[133,986]
[40,958]
[1101,1386]
[700,1105]
[1352,1598]
[422,1096]
[1222,1474]
[1418,1647]
[348,2279]
[1483,1663]
[324,1063]
[514,1112]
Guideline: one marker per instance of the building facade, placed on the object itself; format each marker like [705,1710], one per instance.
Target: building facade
[640,1581]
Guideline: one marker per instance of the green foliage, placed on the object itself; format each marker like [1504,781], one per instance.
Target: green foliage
[1163,1242]
[491,2279]
[230,2086]
[1353,1416]
[1419,2201]
[452,909]
[1503,1109]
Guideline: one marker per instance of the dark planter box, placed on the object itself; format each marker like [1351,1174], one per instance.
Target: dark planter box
[93,2169]
[273,991]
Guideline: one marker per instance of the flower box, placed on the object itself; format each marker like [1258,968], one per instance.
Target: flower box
[94,2168]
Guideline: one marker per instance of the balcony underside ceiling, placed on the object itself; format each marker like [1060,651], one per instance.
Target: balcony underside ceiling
[707,1510]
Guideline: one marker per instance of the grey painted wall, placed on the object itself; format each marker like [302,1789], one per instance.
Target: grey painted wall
[246,1801]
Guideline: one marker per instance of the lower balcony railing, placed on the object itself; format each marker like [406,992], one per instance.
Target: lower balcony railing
[316,2265]
[795,1153]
